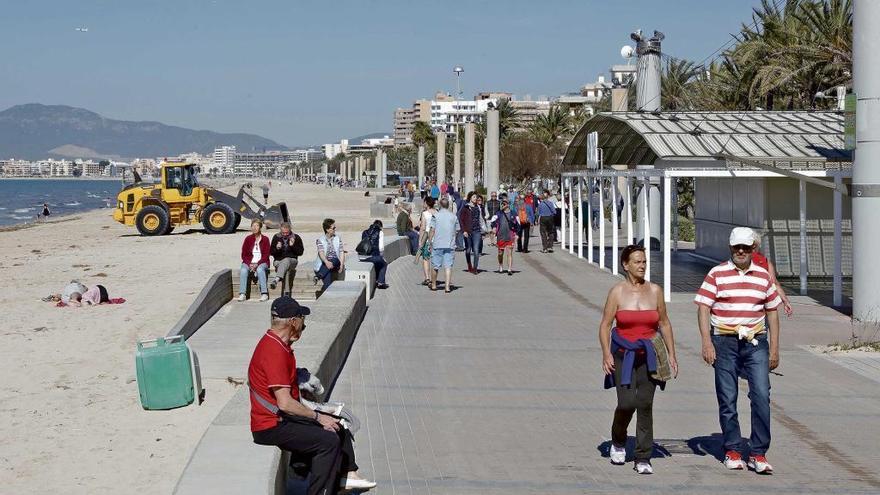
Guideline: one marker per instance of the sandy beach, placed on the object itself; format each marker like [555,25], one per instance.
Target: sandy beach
[70,417]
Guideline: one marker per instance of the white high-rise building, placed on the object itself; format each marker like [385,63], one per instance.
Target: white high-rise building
[224,160]
[448,115]
[333,149]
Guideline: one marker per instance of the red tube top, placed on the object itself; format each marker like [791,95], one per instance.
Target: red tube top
[635,324]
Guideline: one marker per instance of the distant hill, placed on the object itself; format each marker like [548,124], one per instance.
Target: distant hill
[35,131]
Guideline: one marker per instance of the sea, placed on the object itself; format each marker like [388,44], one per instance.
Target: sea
[21,200]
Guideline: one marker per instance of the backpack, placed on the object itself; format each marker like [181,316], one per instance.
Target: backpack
[365,247]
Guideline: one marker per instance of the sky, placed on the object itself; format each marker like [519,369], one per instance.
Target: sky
[311,72]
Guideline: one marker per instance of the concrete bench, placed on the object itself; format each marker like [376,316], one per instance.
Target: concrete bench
[226,461]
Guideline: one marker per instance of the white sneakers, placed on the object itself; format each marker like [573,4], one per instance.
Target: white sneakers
[643,467]
[243,298]
[356,484]
[618,455]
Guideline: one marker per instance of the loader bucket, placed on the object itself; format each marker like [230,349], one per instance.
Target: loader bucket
[275,214]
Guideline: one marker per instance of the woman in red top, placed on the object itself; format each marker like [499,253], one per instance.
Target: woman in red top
[254,259]
[639,310]
[762,261]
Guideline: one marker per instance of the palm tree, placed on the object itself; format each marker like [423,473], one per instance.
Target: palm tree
[677,84]
[422,134]
[552,128]
[508,118]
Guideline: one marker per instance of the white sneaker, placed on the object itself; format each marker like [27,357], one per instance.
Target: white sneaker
[242,298]
[733,460]
[618,455]
[356,484]
[759,464]
[643,467]
[264,298]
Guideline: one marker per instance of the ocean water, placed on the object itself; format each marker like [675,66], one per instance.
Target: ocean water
[21,200]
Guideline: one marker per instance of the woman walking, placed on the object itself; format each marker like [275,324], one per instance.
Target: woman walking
[425,239]
[506,225]
[630,355]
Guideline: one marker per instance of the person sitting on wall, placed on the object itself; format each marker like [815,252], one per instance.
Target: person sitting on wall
[254,259]
[405,226]
[376,239]
[278,417]
[286,249]
[331,254]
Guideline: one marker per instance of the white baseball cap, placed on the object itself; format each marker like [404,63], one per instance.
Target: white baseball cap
[742,235]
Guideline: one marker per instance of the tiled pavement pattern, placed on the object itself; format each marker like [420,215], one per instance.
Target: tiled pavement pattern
[497,389]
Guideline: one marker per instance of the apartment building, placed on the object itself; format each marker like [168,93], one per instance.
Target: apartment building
[224,160]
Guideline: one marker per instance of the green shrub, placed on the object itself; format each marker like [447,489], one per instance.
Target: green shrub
[686,229]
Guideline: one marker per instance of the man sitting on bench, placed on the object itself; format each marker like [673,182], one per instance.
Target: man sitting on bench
[278,418]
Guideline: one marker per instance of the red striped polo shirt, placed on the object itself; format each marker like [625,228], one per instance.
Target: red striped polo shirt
[737,297]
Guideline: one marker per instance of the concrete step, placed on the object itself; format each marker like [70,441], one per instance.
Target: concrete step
[303,286]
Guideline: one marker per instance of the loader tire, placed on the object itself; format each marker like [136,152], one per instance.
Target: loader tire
[152,220]
[218,218]
[237,222]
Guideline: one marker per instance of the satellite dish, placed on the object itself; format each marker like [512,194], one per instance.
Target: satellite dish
[627,51]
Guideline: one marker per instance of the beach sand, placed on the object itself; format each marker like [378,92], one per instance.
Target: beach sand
[70,417]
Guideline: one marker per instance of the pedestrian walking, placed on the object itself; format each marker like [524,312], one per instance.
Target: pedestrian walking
[546,214]
[425,247]
[492,207]
[526,215]
[738,305]
[634,359]
[506,225]
[45,213]
[762,261]
[265,189]
[444,226]
[471,227]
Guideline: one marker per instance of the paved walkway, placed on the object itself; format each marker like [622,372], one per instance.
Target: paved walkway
[497,388]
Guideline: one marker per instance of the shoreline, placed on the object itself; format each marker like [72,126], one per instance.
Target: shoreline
[118,179]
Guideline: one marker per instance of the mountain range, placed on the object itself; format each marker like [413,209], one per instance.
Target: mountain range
[34,131]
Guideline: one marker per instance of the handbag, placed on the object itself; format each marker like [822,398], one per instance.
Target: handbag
[664,371]
[365,247]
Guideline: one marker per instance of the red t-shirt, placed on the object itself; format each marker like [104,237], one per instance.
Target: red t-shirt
[273,365]
[760,260]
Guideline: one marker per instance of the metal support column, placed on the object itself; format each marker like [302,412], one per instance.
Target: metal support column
[667,237]
[614,227]
[571,216]
[627,205]
[580,218]
[590,219]
[646,194]
[803,229]
[562,215]
[601,208]
[838,243]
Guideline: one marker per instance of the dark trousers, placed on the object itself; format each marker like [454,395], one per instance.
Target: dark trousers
[379,264]
[636,398]
[522,242]
[331,454]
[326,274]
[547,232]
[413,237]
[734,358]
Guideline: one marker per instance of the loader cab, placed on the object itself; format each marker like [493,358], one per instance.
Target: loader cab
[179,182]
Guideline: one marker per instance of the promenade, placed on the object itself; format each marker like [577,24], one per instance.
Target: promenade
[497,389]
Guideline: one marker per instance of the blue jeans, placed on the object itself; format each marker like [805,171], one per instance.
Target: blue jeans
[413,240]
[735,357]
[472,244]
[244,274]
[380,265]
[326,274]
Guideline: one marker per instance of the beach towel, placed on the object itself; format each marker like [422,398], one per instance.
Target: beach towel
[114,300]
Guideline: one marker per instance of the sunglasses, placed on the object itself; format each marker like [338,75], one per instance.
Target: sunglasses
[743,247]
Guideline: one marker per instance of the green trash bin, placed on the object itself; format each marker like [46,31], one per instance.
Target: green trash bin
[164,373]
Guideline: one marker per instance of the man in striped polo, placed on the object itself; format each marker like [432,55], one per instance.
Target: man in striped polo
[737,309]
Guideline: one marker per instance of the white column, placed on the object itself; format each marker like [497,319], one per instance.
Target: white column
[580,181]
[614,227]
[469,156]
[803,228]
[601,224]
[646,194]
[838,243]
[491,152]
[667,237]
[562,215]
[627,205]
[441,157]
[571,216]
[590,220]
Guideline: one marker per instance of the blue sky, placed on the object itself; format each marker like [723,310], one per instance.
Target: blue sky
[309,72]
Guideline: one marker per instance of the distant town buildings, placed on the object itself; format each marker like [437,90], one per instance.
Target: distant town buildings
[333,149]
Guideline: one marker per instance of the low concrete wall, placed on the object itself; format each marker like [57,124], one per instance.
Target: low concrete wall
[216,293]
[226,461]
